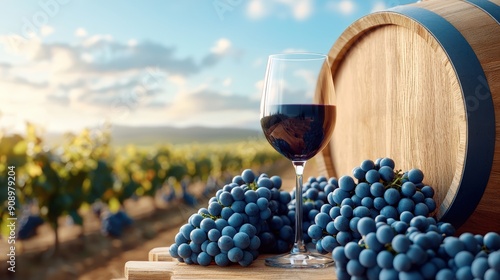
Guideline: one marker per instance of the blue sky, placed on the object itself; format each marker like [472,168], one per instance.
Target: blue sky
[70,64]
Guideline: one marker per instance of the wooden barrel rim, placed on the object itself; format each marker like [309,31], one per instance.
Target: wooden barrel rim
[472,179]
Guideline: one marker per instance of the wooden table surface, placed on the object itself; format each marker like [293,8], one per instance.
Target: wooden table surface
[162,266]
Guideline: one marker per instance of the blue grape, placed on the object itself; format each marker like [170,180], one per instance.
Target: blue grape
[238,180]
[415,175]
[226,199]
[346,211]
[352,250]
[222,259]
[421,209]
[464,272]
[445,274]
[214,208]
[329,243]
[453,245]
[251,196]
[341,223]
[402,262]
[361,211]
[494,260]
[416,254]
[247,259]
[492,241]
[264,193]
[358,173]
[377,189]
[241,240]
[392,196]
[184,251]
[387,162]
[251,209]
[492,274]
[385,259]
[229,231]
[195,248]
[372,176]
[204,259]
[386,173]
[198,236]
[277,182]
[389,274]
[389,211]
[368,258]
[406,204]
[464,258]
[427,191]
[236,220]
[401,243]
[248,176]
[344,237]
[366,225]
[367,165]
[355,268]
[225,243]
[212,249]
[408,189]
[418,197]
[479,267]
[207,224]
[346,183]
[385,234]
[237,193]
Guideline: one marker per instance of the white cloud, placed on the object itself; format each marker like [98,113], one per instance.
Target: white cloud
[379,6]
[95,39]
[256,9]
[298,9]
[46,30]
[221,46]
[81,32]
[64,86]
[292,50]
[227,82]
[132,43]
[258,62]
[345,7]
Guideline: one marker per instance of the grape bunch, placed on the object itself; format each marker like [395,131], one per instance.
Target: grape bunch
[28,225]
[113,224]
[416,247]
[379,191]
[243,219]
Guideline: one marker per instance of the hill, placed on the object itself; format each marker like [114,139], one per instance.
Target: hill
[165,134]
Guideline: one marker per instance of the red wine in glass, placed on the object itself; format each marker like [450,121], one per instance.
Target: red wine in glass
[297,116]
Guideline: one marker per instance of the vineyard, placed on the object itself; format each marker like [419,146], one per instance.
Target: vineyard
[87,173]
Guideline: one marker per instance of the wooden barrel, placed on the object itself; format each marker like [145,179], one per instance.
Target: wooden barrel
[420,83]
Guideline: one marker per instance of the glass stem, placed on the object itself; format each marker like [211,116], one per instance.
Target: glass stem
[299,246]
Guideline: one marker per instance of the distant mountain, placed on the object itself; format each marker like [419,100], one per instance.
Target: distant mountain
[143,136]
[122,135]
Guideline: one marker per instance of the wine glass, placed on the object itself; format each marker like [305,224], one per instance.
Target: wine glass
[297,117]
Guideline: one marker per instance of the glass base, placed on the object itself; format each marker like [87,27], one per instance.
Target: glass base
[300,260]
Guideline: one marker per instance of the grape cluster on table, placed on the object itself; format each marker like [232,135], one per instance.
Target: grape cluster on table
[376,224]
[243,219]
[379,191]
